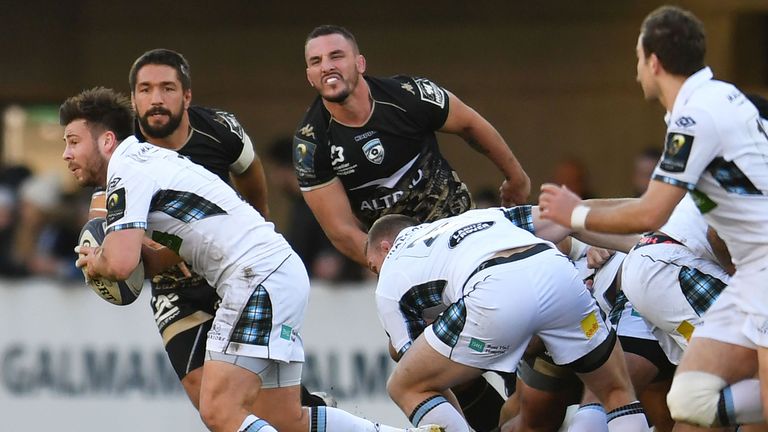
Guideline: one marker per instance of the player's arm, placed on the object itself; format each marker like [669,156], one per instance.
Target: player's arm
[648,213]
[333,212]
[116,258]
[248,177]
[482,136]
[157,258]
[252,185]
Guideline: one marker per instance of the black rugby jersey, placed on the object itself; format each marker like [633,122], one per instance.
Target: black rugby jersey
[392,164]
[216,141]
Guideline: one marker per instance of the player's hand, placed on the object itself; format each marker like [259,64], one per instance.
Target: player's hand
[596,257]
[556,203]
[85,255]
[512,195]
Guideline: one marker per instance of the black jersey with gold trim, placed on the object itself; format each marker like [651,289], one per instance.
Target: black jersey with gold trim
[392,163]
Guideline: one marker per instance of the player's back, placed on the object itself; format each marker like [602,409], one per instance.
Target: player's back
[451,249]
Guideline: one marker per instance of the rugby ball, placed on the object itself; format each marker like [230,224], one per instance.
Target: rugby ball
[116,292]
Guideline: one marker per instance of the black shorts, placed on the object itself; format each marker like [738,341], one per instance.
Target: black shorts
[183,309]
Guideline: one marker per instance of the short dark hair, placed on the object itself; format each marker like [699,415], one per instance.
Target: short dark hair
[162,56]
[388,226]
[329,29]
[102,107]
[677,38]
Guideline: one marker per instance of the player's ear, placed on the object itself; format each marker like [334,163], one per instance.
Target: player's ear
[385,246]
[361,64]
[187,98]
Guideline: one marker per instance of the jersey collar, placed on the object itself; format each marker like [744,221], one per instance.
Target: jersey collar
[690,85]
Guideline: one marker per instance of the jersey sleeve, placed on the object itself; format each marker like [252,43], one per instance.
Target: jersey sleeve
[425,101]
[129,194]
[692,142]
[311,156]
[395,323]
[237,143]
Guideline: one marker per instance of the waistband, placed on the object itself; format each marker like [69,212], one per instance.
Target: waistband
[536,249]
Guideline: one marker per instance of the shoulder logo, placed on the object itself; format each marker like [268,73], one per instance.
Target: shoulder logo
[685,122]
[676,152]
[115,205]
[308,131]
[374,151]
[229,120]
[431,92]
[408,87]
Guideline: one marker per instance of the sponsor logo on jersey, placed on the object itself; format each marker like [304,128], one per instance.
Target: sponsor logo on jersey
[381,203]
[589,325]
[686,329]
[459,235]
[685,122]
[476,345]
[115,205]
[308,131]
[337,154]
[374,151]
[676,152]
[363,136]
[113,182]
[431,92]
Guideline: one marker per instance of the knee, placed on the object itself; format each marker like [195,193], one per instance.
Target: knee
[211,413]
[694,396]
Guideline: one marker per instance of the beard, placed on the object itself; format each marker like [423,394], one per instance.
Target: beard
[350,86]
[160,131]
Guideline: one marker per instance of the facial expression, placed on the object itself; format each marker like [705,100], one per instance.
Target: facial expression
[645,74]
[84,154]
[159,100]
[333,66]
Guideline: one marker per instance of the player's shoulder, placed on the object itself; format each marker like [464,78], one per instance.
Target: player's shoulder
[408,89]
[218,123]
[314,123]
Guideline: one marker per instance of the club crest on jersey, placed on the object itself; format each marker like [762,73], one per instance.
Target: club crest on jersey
[115,205]
[431,92]
[462,233]
[676,152]
[374,151]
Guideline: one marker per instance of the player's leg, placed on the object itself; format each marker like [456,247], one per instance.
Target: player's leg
[713,385]
[480,403]
[420,382]
[543,393]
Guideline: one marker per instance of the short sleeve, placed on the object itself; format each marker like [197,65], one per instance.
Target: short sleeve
[311,159]
[691,143]
[129,193]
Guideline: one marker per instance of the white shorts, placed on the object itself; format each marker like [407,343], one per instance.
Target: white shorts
[506,304]
[671,288]
[262,310]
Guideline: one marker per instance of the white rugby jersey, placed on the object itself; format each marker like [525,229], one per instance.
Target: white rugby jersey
[186,208]
[429,264]
[717,148]
[687,225]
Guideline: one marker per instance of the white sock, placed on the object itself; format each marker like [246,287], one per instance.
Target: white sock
[255,424]
[329,419]
[589,418]
[628,418]
[437,410]
[741,402]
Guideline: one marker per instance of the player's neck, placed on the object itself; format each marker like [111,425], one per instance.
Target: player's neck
[669,89]
[177,139]
[356,109]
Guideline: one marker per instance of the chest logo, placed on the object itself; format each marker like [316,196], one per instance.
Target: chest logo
[374,151]
[337,155]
